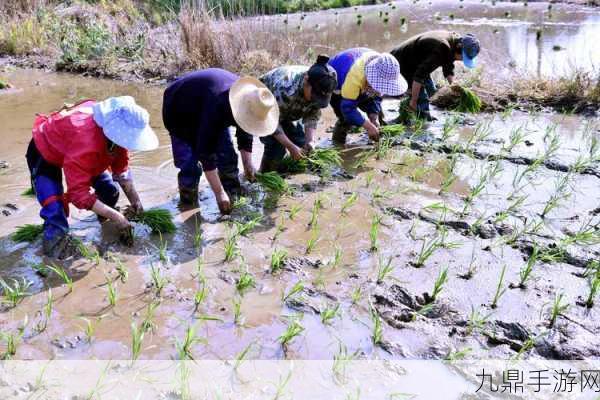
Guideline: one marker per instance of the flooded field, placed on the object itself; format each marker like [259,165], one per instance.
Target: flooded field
[473,237]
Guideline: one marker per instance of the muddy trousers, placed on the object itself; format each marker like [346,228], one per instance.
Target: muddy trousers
[190,170]
[369,105]
[274,151]
[46,180]
[427,91]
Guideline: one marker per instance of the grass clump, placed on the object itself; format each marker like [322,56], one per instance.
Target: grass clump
[158,220]
[294,329]
[27,233]
[13,294]
[278,258]
[392,130]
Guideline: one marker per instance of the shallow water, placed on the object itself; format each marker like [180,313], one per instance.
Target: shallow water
[405,178]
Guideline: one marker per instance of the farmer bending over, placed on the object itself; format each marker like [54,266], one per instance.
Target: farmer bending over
[364,76]
[198,110]
[86,141]
[422,54]
[301,93]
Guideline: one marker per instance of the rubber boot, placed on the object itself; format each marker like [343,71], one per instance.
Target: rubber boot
[188,196]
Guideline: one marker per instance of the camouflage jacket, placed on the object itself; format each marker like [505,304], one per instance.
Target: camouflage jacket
[287,84]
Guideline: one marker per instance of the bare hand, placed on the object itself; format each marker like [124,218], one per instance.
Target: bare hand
[373,132]
[308,147]
[123,223]
[250,173]
[413,105]
[224,203]
[297,153]
[132,210]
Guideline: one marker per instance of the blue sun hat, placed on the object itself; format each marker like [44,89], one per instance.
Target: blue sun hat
[470,50]
[125,123]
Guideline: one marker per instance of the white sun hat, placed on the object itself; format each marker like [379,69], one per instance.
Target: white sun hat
[254,107]
[383,74]
[125,123]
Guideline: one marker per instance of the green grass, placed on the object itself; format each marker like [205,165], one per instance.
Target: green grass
[27,233]
[500,289]
[329,313]
[374,231]
[297,288]
[158,220]
[245,282]
[137,338]
[293,330]
[439,283]
[63,275]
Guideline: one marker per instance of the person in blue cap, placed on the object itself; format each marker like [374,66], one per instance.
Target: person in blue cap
[422,54]
[89,143]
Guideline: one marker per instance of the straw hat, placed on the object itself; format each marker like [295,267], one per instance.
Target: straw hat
[254,107]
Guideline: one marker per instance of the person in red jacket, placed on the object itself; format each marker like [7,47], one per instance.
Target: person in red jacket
[89,142]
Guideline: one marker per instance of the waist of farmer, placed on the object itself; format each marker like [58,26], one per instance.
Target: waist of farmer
[43,143]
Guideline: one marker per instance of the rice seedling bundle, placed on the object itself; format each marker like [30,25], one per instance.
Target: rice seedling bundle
[320,159]
[158,220]
[27,233]
[272,182]
[468,102]
[392,130]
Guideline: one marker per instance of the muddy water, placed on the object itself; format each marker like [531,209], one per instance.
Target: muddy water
[508,32]
[399,187]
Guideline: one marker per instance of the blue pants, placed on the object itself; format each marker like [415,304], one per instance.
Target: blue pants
[46,180]
[274,151]
[367,104]
[190,170]
[427,90]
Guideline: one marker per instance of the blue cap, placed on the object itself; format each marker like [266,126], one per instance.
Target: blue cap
[470,50]
[125,123]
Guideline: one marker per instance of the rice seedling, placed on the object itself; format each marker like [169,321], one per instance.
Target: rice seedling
[337,257]
[297,288]
[148,324]
[312,240]
[63,276]
[516,137]
[278,258]
[340,362]
[525,272]
[184,347]
[383,147]
[241,357]
[594,283]
[245,282]
[293,330]
[279,228]
[231,247]
[449,126]
[427,250]
[552,141]
[123,273]
[27,233]
[13,294]
[272,182]
[484,178]
[356,295]
[294,210]
[380,194]
[458,355]
[586,235]
[48,306]
[369,178]
[41,269]
[561,193]
[281,386]
[158,220]
[377,333]
[111,293]
[243,229]
[512,208]
[374,231]
[29,192]
[329,313]
[198,236]
[477,321]
[137,338]
[439,283]
[200,296]
[384,269]
[11,343]
[392,130]
[348,203]
[449,176]
[89,330]
[482,131]
[500,289]
[314,216]
[163,250]
[236,303]
[558,308]
[469,102]
[159,282]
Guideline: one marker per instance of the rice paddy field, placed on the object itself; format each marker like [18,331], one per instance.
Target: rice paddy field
[472,237]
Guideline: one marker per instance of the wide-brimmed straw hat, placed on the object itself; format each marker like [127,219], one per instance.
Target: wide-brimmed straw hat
[125,123]
[383,74]
[254,107]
